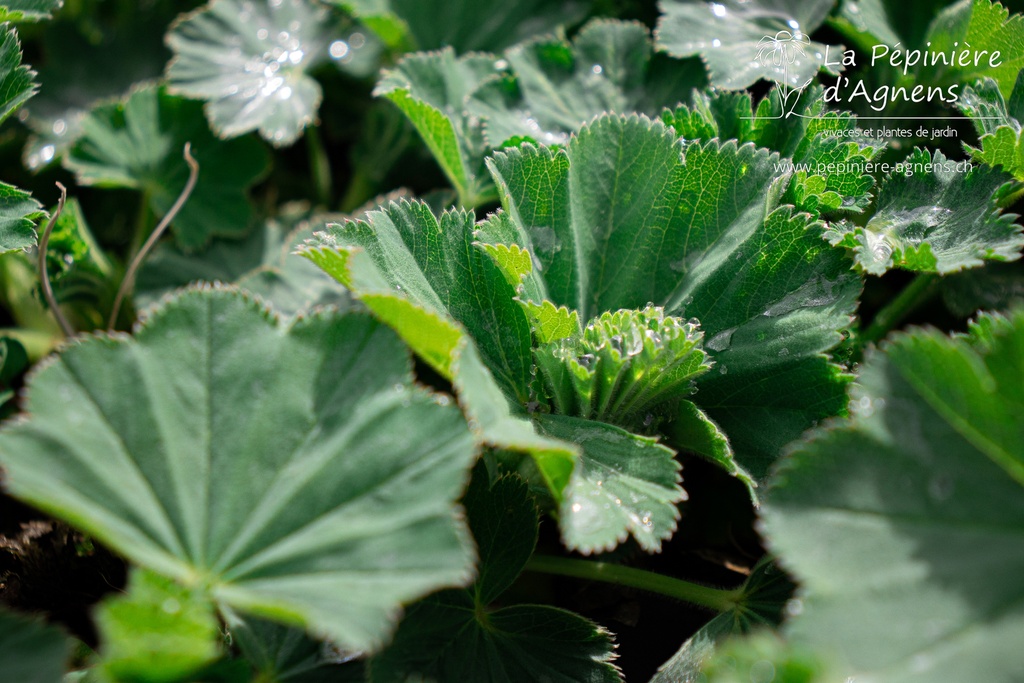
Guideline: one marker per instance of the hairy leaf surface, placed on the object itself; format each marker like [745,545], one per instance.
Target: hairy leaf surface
[998,123]
[138,144]
[934,217]
[742,41]
[922,491]
[458,635]
[625,216]
[292,472]
[249,60]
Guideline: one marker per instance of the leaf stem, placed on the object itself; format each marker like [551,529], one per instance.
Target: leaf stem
[319,166]
[915,294]
[717,599]
[129,276]
[44,276]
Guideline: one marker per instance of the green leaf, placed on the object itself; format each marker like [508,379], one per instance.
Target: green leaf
[558,86]
[157,632]
[17,81]
[250,61]
[624,485]
[138,144]
[742,42]
[922,491]
[465,25]
[764,595]
[995,287]
[84,68]
[279,654]
[998,124]
[324,497]
[424,277]
[29,10]
[935,216]
[432,90]
[982,25]
[31,651]
[263,263]
[458,636]
[625,216]
[542,90]
[828,149]
[18,215]
[764,656]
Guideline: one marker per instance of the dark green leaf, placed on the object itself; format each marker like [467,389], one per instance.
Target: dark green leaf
[250,61]
[138,144]
[158,632]
[743,41]
[291,472]
[30,651]
[934,216]
[279,654]
[457,636]
[18,215]
[465,25]
[17,81]
[263,263]
[625,216]
[922,493]
[998,124]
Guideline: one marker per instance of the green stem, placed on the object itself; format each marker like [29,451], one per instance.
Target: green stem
[319,166]
[915,294]
[360,190]
[717,599]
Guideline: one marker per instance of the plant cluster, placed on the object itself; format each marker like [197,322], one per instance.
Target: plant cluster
[574,341]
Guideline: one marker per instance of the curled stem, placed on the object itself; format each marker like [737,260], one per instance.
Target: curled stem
[44,276]
[161,228]
[716,599]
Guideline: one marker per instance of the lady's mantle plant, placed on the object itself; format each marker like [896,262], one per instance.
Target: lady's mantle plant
[398,442]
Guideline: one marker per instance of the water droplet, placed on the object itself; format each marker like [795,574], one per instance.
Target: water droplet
[47,153]
[576,507]
[501,65]
[262,34]
[171,606]
[722,340]
[762,671]
[357,40]
[716,43]
[718,10]
[339,49]
[794,607]
[596,69]
[59,127]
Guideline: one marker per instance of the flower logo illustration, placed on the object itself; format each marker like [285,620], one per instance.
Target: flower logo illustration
[779,52]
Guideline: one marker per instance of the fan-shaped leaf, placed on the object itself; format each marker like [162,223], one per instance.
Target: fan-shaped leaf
[249,59]
[935,216]
[138,144]
[998,122]
[458,636]
[927,475]
[625,216]
[30,651]
[742,41]
[289,472]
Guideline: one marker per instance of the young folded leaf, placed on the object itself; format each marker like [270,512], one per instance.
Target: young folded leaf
[291,472]
[998,123]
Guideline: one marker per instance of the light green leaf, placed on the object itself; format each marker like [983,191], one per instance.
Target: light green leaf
[465,25]
[764,595]
[984,26]
[922,491]
[138,144]
[263,263]
[995,287]
[935,217]
[249,60]
[459,636]
[30,651]
[157,632]
[625,215]
[998,123]
[743,41]
[29,10]
[624,485]
[762,657]
[323,498]
[18,215]
[424,277]
[827,147]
